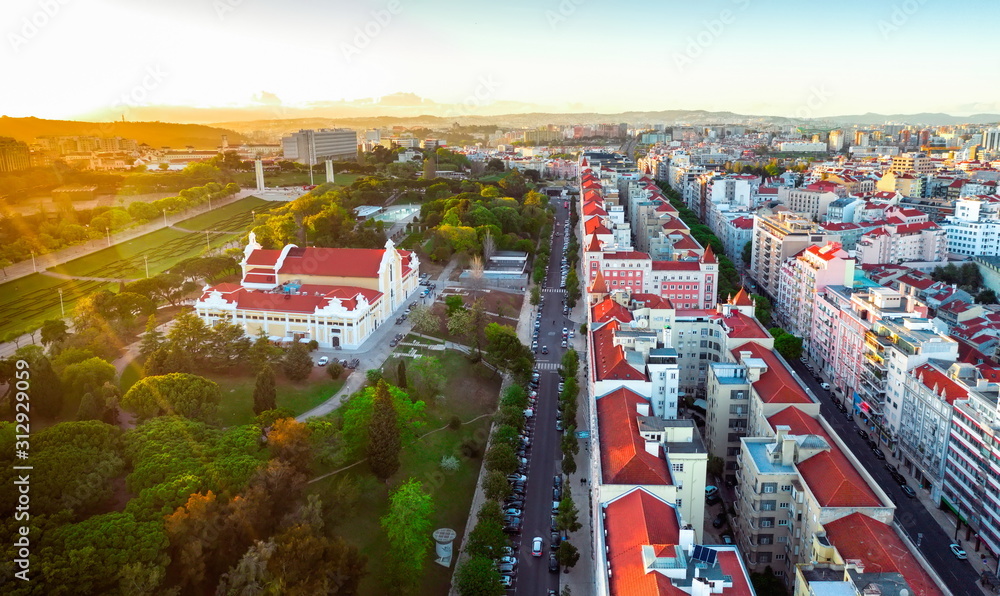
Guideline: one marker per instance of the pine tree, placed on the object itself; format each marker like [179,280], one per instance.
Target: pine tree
[383,435]
[152,339]
[264,396]
[401,374]
[297,364]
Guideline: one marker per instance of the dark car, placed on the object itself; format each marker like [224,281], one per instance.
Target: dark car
[557,481]
[518,503]
[557,494]
[908,491]
[553,563]
[878,453]
[862,434]
[393,343]
[900,480]
[718,521]
[513,526]
[555,539]
[712,500]
[552,526]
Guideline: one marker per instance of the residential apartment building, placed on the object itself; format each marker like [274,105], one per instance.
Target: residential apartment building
[920,163]
[336,296]
[892,348]
[803,279]
[813,201]
[794,477]
[14,155]
[776,238]
[314,146]
[903,242]
[974,229]
[971,483]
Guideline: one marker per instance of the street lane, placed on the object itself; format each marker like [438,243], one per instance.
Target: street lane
[533,576]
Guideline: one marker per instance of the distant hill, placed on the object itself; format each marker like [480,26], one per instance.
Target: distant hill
[927,118]
[155,134]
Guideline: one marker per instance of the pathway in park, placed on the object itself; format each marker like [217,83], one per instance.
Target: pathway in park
[43,262]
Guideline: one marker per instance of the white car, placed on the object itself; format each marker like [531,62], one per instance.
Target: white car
[323,361]
[955,550]
[536,546]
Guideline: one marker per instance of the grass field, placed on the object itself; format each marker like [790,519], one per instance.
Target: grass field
[28,301]
[471,391]
[234,217]
[237,393]
[248,179]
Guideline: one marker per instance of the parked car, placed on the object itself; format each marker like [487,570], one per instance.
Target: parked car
[555,540]
[512,511]
[557,481]
[505,568]
[559,426]
[957,551]
[862,434]
[718,521]
[507,581]
[393,343]
[563,344]
[726,538]
[507,560]
[557,494]
[878,453]
[825,386]
[536,546]
[908,491]
[553,563]
[323,361]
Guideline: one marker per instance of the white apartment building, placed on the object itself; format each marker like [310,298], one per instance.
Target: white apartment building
[974,229]
[314,146]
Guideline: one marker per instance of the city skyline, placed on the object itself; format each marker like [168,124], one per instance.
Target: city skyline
[110,57]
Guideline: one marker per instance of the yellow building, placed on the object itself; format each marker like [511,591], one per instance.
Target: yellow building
[336,296]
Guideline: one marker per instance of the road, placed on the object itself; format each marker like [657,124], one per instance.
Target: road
[911,514]
[533,576]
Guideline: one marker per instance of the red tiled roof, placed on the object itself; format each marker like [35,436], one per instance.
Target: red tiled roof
[686,242]
[652,300]
[732,566]
[939,383]
[829,475]
[634,520]
[595,244]
[742,298]
[742,326]
[742,223]
[312,297]
[594,209]
[624,459]
[263,256]
[877,545]
[594,225]
[777,384]
[338,262]
[633,255]
[676,266]
[609,359]
[599,286]
[607,310]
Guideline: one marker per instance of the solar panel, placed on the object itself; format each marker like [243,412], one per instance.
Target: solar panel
[703,553]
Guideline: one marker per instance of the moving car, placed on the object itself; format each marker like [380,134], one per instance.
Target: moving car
[545,349]
[536,546]
[957,551]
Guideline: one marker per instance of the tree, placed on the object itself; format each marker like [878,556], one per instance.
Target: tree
[335,369]
[190,335]
[383,435]
[501,457]
[986,296]
[87,376]
[288,441]
[297,363]
[91,407]
[178,394]
[54,331]
[495,485]
[747,253]
[762,309]
[567,555]
[264,394]
[536,295]
[715,466]
[568,464]
[513,183]
[152,339]
[46,387]
[454,304]
[427,377]
[460,323]
[486,539]
[788,346]
[424,321]
[767,582]
[477,272]
[262,352]
[478,576]
[567,517]
[506,350]
[401,373]
[304,561]
[408,526]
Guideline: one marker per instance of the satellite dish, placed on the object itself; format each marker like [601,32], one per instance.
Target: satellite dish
[643,323]
[632,324]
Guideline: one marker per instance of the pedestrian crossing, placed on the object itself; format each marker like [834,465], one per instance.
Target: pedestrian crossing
[547,365]
[553,291]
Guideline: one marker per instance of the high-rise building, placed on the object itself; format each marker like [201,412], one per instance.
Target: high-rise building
[14,155]
[775,239]
[991,139]
[314,146]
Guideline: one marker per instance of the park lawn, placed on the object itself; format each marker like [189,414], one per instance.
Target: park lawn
[218,218]
[237,395]
[249,179]
[471,394]
[28,301]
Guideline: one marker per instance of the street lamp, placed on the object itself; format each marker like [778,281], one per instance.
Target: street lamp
[33,262]
[61,307]
[145,260]
[164,218]
[207,245]
[108,232]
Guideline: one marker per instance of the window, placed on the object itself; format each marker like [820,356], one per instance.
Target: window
[765,539]
[769,487]
[782,522]
[786,488]
[763,557]
[767,522]
[679,501]
[782,505]
[677,467]
[767,505]
[779,557]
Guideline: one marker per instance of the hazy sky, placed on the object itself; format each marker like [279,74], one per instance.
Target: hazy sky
[63,58]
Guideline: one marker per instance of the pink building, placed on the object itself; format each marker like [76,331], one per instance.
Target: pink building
[805,276]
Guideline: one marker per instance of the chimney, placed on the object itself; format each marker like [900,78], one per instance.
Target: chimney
[653,448]
[642,408]
[788,451]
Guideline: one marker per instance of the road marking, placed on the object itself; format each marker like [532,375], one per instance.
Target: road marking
[547,366]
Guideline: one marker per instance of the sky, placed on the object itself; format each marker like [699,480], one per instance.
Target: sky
[67,58]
